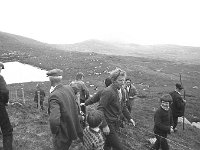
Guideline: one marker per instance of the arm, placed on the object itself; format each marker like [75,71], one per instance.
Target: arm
[55,114]
[95,98]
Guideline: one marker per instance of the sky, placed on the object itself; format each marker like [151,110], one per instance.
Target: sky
[129,21]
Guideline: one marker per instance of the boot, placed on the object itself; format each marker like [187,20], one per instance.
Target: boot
[7,142]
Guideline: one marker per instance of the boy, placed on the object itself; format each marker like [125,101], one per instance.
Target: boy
[163,123]
[92,135]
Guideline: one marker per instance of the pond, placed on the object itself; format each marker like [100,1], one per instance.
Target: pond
[16,72]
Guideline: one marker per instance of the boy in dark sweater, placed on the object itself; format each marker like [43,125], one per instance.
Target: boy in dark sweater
[163,123]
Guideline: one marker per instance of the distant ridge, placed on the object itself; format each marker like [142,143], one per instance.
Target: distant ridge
[182,54]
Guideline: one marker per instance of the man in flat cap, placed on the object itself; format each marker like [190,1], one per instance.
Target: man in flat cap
[5,124]
[63,112]
[163,123]
[178,104]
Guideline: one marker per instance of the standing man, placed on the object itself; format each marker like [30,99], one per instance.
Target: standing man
[39,95]
[178,104]
[64,122]
[5,124]
[113,107]
[131,93]
[84,92]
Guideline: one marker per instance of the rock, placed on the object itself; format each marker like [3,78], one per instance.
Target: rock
[196,124]
[180,119]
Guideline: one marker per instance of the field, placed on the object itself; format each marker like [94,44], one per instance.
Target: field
[152,77]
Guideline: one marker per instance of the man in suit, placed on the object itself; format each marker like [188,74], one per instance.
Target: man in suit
[5,124]
[131,93]
[63,112]
[113,107]
[178,104]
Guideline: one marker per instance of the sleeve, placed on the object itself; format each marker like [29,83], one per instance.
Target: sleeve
[54,109]
[171,118]
[103,103]
[86,91]
[159,124]
[4,92]
[134,91]
[95,98]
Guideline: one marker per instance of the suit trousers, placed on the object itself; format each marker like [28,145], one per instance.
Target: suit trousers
[161,142]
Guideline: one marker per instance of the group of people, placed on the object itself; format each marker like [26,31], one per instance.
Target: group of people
[98,128]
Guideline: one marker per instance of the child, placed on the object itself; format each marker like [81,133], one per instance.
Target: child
[163,123]
[92,135]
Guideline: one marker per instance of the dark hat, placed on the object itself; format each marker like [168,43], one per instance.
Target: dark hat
[166,98]
[179,86]
[1,65]
[54,72]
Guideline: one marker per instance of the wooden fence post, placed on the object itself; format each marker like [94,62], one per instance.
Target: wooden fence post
[38,94]
[23,95]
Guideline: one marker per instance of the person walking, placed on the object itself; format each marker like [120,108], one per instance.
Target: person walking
[84,92]
[113,107]
[39,95]
[131,93]
[5,124]
[63,112]
[163,123]
[178,104]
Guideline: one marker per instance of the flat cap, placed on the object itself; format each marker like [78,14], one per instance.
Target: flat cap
[54,72]
[166,98]
[1,65]
[179,86]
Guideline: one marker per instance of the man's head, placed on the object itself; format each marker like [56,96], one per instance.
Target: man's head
[117,77]
[108,81]
[128,81]
[79,76]
[1,66]
[55,76]
[179,87]
[165,100]
[94,118]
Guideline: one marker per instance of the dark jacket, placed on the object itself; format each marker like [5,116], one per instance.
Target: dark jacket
[63,111]
[111,107]
[131,92]
[177,106]
[163,121]
[4,92]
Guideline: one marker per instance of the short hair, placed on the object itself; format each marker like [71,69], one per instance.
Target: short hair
[128,79]
[79,75]
[166,98]
[116,73]
[94,118]
[108,81]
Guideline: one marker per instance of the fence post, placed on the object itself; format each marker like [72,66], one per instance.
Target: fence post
[23,95]
[16,94]
[38,94]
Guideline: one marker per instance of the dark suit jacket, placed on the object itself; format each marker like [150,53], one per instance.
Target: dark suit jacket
[177,105]
[131,92]
[4,92]
[111,107]
[63,111]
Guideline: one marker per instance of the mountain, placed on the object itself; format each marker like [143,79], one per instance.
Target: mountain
[186,54]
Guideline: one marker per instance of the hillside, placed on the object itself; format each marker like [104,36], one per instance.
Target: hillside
[151,76]
[183,54]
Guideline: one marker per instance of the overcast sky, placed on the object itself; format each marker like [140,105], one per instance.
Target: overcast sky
[134,21]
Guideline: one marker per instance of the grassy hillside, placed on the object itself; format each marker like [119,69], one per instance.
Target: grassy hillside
[151,76]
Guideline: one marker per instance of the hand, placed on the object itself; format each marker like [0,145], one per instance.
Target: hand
[132,122]
[184,100]
[106,130]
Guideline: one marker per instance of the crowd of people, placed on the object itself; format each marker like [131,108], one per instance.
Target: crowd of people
[98,128]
